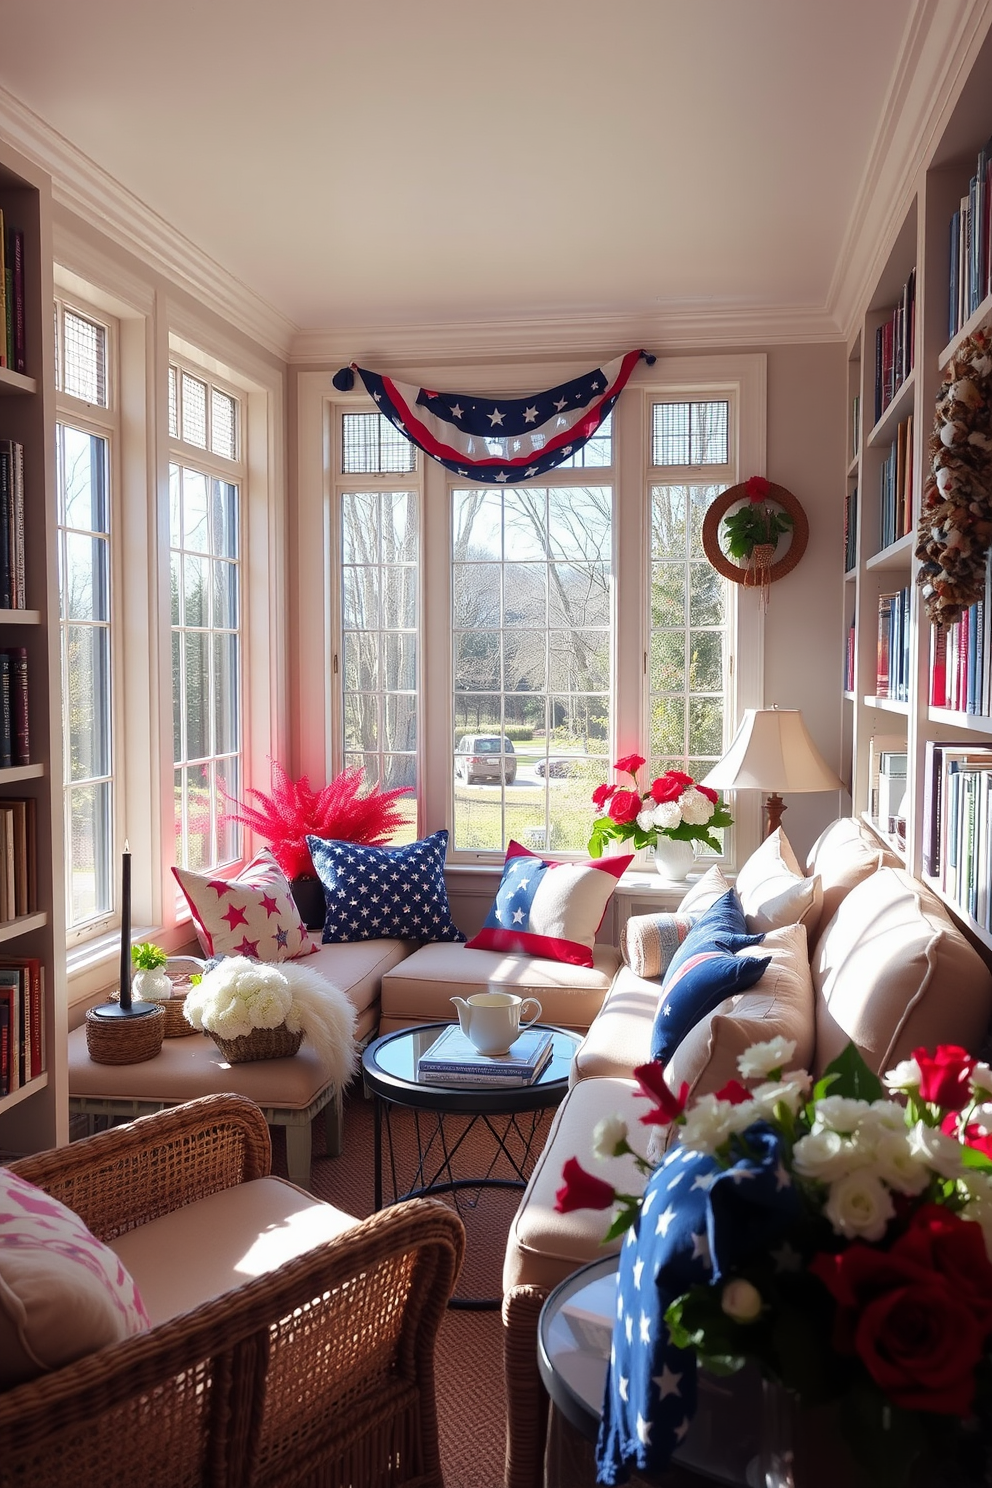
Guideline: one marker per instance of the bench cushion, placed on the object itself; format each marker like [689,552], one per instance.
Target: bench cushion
[419,989]
[357,968]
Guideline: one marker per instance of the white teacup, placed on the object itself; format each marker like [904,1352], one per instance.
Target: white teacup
[493,1020]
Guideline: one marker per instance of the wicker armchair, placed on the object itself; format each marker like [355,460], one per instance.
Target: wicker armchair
[319,1372]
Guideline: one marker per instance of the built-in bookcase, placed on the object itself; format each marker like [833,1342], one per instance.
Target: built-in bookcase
[937,712]
[32,922]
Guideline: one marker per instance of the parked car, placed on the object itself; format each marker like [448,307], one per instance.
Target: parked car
[485,757]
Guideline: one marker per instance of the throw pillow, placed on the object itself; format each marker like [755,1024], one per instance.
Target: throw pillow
[774,890]
[253,914]
[63,1293]
[843,856]
[711,887]
[722,924]
[648,942]
[705,979]
[549,909]
[384,893]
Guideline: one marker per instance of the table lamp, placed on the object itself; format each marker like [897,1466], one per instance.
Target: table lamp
[772,751]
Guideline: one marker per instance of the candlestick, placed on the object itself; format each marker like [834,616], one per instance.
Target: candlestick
[126,929]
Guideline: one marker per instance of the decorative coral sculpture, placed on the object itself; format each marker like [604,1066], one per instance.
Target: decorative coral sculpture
[337,810]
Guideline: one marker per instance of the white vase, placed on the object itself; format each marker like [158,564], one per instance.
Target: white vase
[151,985]
[674,859]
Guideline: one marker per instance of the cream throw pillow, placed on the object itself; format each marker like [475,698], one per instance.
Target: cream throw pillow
[704,894]
[774,890]
[844,855]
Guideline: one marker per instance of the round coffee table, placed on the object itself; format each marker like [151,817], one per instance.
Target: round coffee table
[389,1069]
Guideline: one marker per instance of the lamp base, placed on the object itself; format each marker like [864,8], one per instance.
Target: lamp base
[114,1010]
[774,808]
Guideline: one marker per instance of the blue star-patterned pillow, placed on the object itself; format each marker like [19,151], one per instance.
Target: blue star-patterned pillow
[393,893]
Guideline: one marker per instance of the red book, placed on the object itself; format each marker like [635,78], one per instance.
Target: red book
[938,667]
[32,970]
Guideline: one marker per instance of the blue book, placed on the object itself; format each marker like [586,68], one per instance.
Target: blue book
[452,1058]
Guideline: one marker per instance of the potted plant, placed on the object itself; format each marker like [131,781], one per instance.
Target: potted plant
[338,810]
[753,530]
[150,982]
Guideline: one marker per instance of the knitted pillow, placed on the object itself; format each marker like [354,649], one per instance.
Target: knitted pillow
[393,893]
[253,914]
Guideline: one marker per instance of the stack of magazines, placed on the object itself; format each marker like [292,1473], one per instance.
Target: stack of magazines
[453,1060]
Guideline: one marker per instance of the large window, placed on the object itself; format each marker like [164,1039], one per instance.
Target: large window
[205,480]
[85,431]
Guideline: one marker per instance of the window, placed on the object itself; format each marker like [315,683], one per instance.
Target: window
[85,431]
[379,538]
[205,482]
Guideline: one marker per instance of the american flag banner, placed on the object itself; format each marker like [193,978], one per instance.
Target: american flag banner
[495,439]
[698,1222]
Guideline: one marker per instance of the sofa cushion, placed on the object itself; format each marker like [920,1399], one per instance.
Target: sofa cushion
[774,890]
[543,1247]
[217,1231]
[253,914]
[704,893]
[420,989]
[892,973]
[374,893]
[63,1293]
[357,968]
[549,909]
[619,1037]
[844,855]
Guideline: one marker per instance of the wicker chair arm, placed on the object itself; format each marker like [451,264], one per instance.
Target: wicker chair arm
[129,1175]
[526,1397]
[315,1360]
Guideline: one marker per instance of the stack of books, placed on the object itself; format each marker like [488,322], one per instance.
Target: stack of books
[453,1060]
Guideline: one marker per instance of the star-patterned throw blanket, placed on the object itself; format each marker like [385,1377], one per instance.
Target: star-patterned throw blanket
[393,893]
[697,1224]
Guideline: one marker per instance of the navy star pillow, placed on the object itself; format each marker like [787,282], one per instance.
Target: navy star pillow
[392,893]
[703,972]
[723,921]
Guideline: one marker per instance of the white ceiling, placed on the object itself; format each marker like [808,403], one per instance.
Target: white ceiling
[443,161]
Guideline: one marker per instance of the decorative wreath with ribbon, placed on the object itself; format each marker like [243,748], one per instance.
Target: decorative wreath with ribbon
[955,527]
[781,514]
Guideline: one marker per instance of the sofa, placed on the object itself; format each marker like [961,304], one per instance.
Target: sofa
[857,950]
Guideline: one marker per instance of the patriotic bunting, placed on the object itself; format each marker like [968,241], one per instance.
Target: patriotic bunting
[494,439]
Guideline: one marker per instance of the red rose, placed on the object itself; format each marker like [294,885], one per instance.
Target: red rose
[654,1086]
[630,762]
[709,793]
[666,788]
[918,1315]
[601,795]
[946,1076]
[624,806]
[757,488]
[582,1190]
[735,1093]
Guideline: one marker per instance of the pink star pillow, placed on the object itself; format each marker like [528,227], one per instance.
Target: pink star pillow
[253,915]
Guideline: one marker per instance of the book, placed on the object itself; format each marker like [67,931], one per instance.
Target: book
[10,1067]
[11,980]
[4,1048]
[453,1058]
[31,972]
[22,853]
[16,249]
[19,730]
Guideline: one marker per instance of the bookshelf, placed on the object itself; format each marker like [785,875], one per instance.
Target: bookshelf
[35,1115]
[928,721]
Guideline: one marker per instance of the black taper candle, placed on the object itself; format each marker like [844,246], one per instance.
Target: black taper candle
[126,929]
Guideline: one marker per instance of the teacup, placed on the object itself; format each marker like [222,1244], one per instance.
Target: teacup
[492,1021]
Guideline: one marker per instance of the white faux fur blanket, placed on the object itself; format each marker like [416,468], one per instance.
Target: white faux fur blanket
[327,1018]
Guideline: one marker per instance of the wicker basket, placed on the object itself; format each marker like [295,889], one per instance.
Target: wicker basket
[124,1040]
[180,969]
[261,1043]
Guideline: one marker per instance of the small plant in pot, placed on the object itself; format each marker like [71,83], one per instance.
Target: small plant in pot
[150,982]
[337,811]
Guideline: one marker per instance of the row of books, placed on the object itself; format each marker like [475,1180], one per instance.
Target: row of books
[892,670]
[13,594]
[856,426]
[15,732]
[18,858]
[961,661]
[851,660]
[957,825]
[970,279]
[12,339]
[896,493]
[851,530]
[22,1022]
[453,1060]
[894,348]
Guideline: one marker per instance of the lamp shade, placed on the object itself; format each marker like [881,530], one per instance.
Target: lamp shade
[773,751]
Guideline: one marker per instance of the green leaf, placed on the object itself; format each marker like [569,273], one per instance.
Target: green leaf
[972,1158]
[854,1080]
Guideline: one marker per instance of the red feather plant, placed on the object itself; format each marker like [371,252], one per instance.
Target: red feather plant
[295,809]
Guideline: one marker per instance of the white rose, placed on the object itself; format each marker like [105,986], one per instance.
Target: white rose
[982,1118]
[859,1206]
[839,1113]
[761,1059]
[790,1092]
[981,1078]
[906,1076]
[884,1115]
[741,1300]
[608,1135]
[696,808]
[709,1123]
[939,1151]
[893,1159]
[825,1156]
[667,814]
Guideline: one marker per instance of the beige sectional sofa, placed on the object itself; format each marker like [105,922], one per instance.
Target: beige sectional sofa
[875,959]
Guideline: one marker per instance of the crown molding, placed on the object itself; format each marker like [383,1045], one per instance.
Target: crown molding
[83,187]
[937,46]
[683,327]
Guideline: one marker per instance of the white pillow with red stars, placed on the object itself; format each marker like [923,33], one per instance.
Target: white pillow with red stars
[253,915]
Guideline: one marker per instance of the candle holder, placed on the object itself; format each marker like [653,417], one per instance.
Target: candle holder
[125,1032]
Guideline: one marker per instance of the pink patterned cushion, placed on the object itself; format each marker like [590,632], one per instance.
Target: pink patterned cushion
[63,1293]
[253,915]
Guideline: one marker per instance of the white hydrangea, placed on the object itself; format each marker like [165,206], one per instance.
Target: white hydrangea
[667,814]
[761,1059]
[906,1076]
[859,1206]
[607,1136]
[239,995]
[696,808]
[645,820]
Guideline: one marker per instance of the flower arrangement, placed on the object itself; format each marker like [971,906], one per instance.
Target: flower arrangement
[151,982]
[755,524]
[841,1236]
[674,806]
[337,810]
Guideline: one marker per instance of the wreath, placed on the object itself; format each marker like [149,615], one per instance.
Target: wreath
[955,527]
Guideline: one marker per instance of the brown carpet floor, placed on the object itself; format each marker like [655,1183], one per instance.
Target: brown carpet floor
[471,1394]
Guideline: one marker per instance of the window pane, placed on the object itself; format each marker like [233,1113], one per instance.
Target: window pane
[690,433]
[88,837]
[194,411]
[223,424]
[85,578]
[224,519]
[371,445]
[226,707]
[88,667]
[82,479]
[173,404]
[84,353]
[195,502]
